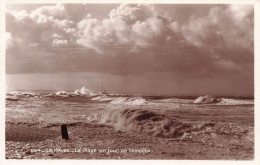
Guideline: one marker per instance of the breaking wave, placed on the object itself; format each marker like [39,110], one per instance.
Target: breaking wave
[129,101]
[121,100]
[82,92]
[85,91]
[220,101]
[16,96]
[206,99]
[21,94]
[62,93]
[225,101]
[148,122]
[103,98]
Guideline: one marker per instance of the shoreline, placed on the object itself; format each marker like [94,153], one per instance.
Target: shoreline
[98,137]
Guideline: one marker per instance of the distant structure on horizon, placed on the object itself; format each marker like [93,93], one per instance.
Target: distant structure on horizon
[103,90]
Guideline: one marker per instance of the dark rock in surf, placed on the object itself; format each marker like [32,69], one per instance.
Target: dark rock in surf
[11,98]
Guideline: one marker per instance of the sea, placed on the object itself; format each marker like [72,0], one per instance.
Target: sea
[164,116]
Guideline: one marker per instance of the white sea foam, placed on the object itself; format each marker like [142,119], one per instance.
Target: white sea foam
[148,122]
[129,101]
[77,92]
[206,99]
[225,101]
[103,98]
[222,101]
[82,92]
[87,92]
[121,100]
[62,93]
[22,94]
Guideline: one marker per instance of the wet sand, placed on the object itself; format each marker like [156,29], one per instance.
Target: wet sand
[95,141]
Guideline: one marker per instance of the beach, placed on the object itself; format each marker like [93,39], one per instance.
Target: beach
[102,130]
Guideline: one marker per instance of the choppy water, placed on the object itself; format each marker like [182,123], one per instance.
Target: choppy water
[159,116]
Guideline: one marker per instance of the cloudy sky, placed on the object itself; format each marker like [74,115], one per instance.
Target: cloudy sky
[131,48]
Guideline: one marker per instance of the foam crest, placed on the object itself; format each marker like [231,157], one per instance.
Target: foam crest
[225,101]
[148,122]
[121,100]
[129,101]
[86,92]
[206,99]
[21,94]
[62,93]
[82,92]
[103,98]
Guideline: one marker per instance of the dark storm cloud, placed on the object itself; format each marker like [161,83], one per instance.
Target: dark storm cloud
[135,40]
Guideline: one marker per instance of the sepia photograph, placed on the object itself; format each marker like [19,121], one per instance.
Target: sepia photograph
[139,81]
